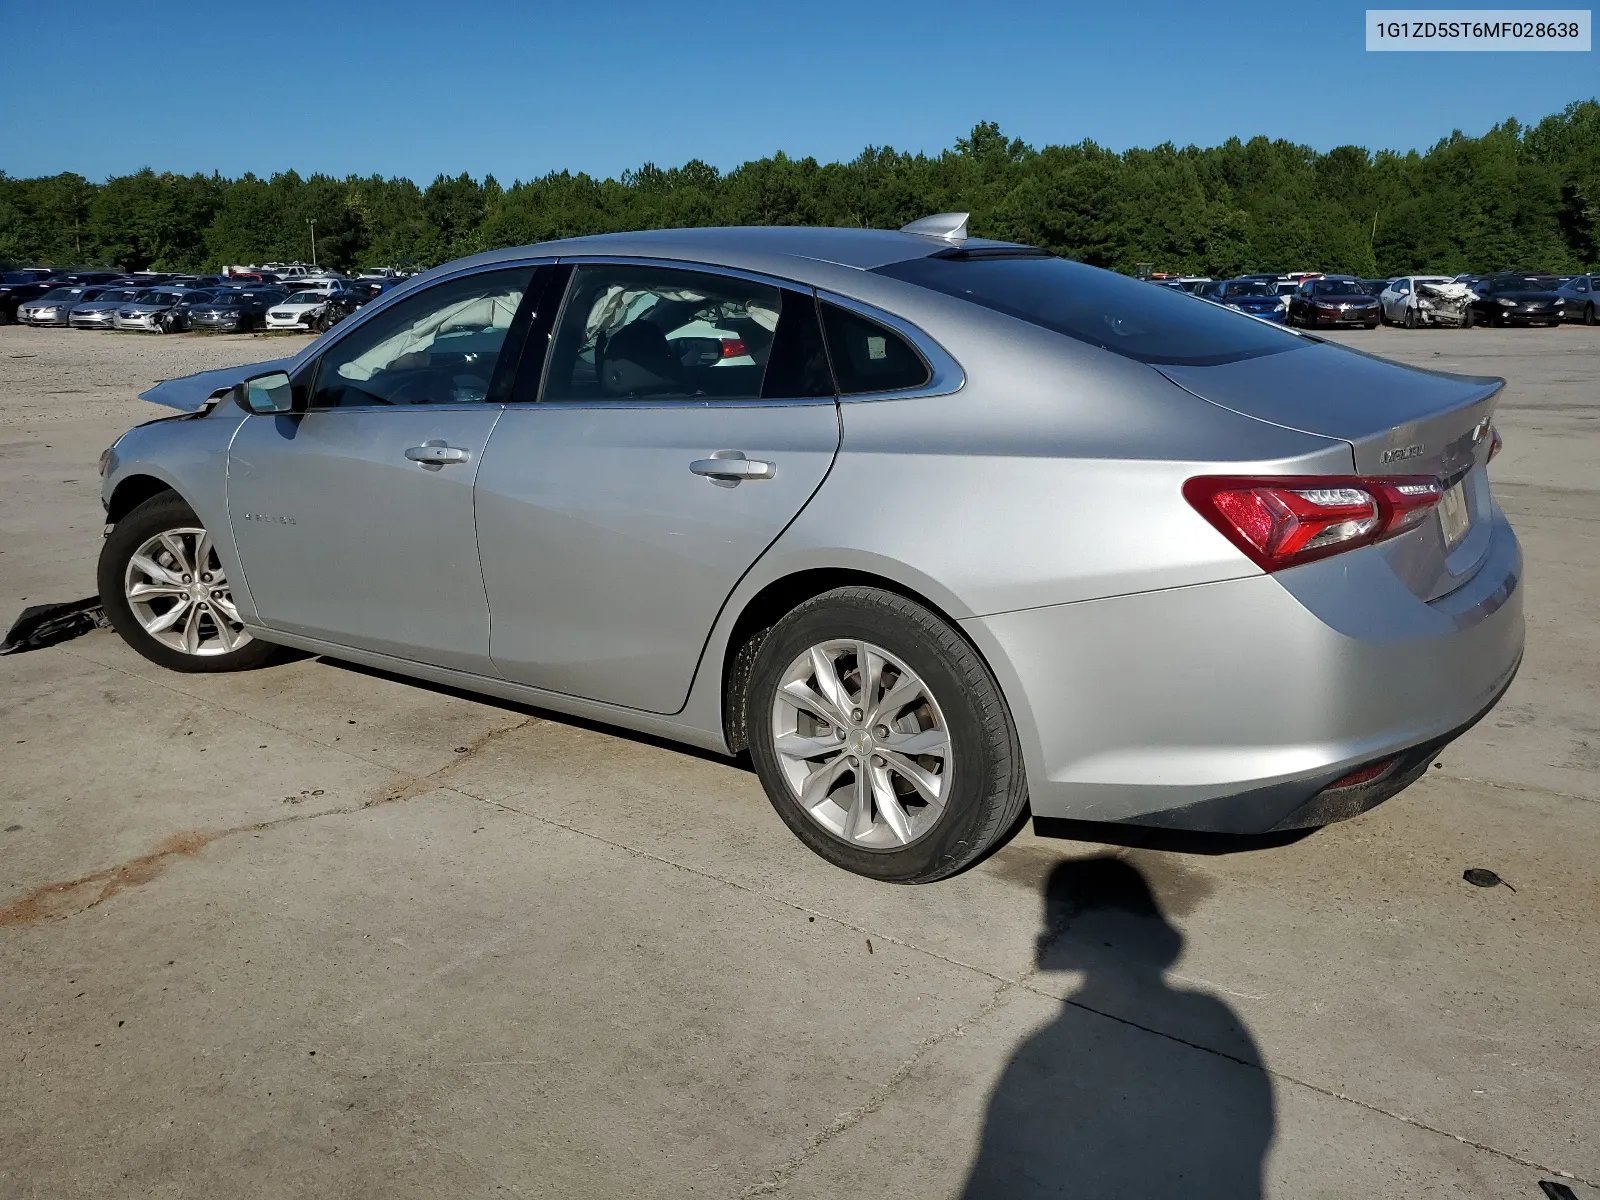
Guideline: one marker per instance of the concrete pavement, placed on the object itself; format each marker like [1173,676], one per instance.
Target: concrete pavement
[316,931]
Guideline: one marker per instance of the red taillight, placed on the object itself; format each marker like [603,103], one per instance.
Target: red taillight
[1281,521]
[733,348]
[1494,443]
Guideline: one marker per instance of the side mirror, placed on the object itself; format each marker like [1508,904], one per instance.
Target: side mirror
[266,394]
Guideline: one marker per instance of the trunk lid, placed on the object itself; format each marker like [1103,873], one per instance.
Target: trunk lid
[1398,420]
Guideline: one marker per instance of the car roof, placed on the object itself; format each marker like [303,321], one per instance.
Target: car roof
[777,248]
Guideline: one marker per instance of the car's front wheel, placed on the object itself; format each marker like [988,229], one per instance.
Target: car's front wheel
[882,738]
[164,589]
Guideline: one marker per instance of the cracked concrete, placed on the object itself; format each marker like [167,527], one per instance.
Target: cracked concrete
[316,931]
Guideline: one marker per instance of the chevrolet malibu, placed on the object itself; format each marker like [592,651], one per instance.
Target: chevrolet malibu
[963,529]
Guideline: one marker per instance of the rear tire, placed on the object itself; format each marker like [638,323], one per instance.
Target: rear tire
[158,586]
[939,695]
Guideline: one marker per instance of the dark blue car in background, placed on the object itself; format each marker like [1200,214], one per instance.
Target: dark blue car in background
[1254,297]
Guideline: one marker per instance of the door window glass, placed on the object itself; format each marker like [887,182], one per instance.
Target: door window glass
[660,333]
[797,367]
[440,346]
[868,357]
[1581,283]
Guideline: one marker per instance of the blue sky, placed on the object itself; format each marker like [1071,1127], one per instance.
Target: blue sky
[519,89]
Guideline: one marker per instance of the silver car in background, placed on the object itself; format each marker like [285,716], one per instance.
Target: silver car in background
[54,307]
[937,528]
[150,311]
[101,312]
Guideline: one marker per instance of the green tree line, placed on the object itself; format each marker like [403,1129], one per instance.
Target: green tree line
[1519,196]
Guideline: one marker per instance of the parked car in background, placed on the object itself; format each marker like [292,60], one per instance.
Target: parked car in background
[17,288]
[314,310]
[1519,298]
[1400,302]
[243,277]
[1373,287]
[1249,294]
[178,317]
[149,312]
[101,312]
[1580,295]
[74,278]
[54,306]
[1274,622]
[1329,301]
[234,310]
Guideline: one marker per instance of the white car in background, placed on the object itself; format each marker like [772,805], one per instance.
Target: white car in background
[313,308]
[1400,303]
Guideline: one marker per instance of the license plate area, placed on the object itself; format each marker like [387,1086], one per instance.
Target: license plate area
[1454,519]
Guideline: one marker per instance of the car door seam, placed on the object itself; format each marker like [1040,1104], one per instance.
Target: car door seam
[477,542]
[838,448]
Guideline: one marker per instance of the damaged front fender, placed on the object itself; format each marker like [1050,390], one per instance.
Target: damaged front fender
[191,393]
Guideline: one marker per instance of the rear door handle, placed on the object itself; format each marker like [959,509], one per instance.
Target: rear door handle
[726,468]
[433,455]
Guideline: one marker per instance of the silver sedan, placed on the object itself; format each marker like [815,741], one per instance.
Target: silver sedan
[939,529]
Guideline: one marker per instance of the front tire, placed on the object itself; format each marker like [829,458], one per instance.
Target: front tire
[164,589]
[1411,318]
[882,738]
[1589,315]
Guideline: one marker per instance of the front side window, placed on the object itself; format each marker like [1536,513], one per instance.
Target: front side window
[439,346]
[651,333]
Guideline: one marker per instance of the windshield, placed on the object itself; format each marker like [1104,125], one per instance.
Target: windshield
[154,297]
[1524,283]
[1338,287]
[62,294]
[1249,287]
[1114,312]
[120,295]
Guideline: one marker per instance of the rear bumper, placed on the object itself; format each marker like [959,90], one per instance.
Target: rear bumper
[1232,707]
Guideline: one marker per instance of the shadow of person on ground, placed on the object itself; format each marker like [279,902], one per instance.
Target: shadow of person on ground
[1135,1089]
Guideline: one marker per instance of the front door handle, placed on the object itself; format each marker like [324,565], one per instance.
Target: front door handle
[434,455]
[728,468]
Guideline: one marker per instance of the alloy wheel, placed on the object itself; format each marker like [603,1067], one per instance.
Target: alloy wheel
[180,595]
[862,744]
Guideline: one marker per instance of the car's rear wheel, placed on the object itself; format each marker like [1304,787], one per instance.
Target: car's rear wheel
[164,589]
[881,737]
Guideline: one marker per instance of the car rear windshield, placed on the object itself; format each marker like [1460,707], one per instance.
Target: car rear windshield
[1108,310]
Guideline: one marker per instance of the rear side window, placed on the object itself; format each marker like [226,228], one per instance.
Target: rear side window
[868,357]
[1105,309]
[630,332]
